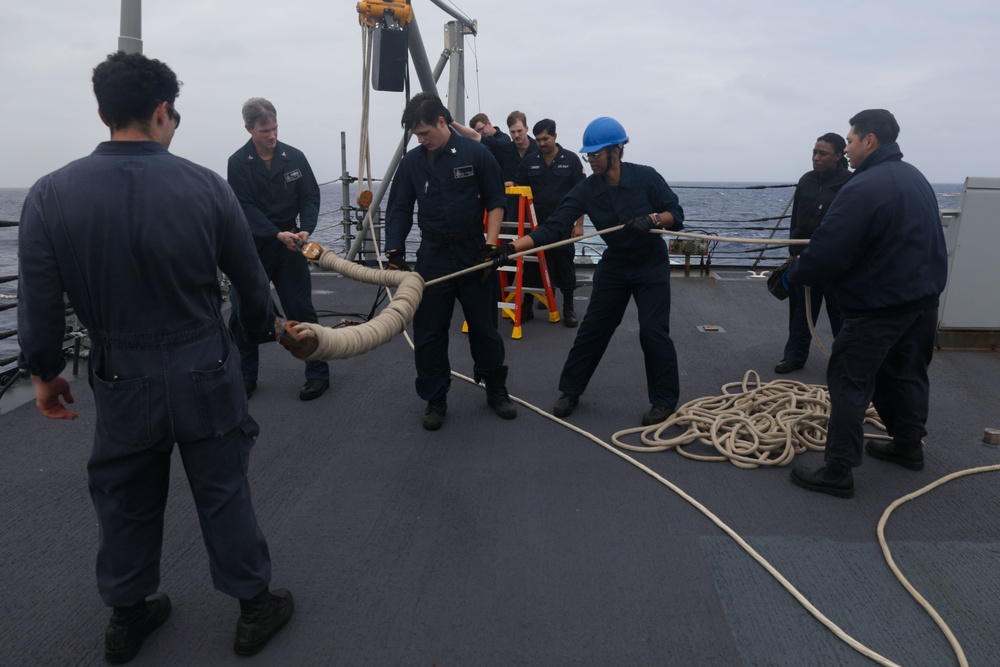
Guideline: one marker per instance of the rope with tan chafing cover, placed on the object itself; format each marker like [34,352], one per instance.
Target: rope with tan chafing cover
[315,342]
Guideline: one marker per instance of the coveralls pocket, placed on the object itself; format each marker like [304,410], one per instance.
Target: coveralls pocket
[220,397]
[122,408]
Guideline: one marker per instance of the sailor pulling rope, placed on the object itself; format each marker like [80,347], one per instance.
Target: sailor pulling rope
[314,342]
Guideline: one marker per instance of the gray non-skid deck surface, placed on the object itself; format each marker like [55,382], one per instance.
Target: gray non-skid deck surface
[522,543]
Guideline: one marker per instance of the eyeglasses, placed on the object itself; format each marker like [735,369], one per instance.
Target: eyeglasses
[593,157]
[173,115]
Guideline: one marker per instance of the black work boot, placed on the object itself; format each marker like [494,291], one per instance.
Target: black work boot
[569,314]
[261,617]
[130,625]
[565,405]
[907,455]
[786,366]
[434,414]
[496,393]
[657,414]
[832,479]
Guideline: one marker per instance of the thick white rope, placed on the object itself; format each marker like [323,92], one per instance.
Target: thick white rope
[348,342]
[816,613]
[952,640]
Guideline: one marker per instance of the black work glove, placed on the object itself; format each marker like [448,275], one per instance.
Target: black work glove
[396,260]
[498,255]
[640,225]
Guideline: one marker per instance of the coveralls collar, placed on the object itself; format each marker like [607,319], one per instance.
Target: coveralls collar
[626,182]
[450,147]
[885,153]
[253,156]
[129,147]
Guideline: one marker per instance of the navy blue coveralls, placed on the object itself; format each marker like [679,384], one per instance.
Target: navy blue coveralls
[633,266]
[272,199]
[510,159]
[813,195]
[549,184]
[881,249]
[497,145]
[452,196]
[135,237]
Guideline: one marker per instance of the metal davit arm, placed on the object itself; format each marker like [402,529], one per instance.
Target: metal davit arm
[461,18]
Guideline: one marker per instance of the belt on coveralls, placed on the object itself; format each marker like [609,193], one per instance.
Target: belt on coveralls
[450,238]
[155,341]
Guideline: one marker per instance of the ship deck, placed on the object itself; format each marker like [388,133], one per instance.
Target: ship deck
[525,543]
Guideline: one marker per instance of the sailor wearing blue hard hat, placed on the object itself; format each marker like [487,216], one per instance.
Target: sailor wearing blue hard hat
[635,265]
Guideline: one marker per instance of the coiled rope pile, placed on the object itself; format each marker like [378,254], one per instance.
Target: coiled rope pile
[753,423]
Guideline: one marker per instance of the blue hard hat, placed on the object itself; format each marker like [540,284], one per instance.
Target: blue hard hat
[601,133]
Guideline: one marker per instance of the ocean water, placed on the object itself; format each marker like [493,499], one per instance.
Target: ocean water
[721,209]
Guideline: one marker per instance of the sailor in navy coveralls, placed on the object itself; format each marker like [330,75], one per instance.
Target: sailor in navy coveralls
[635,265]
[275,185]
[453,180]
[135,237]
[881,250]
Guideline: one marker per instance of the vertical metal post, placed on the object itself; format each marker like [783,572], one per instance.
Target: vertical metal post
[454,45]
[363,242]
[345,186]
[130,39]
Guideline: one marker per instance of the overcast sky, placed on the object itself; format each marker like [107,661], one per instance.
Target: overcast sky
[721,90]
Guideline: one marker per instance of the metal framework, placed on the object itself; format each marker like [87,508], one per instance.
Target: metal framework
[453,55]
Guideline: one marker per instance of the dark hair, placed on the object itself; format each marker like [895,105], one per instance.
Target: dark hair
[479,118]
[838,144]
[546,125]
[879,122]
[424,108]
[129,87]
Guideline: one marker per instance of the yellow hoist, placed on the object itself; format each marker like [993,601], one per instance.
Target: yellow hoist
[373,14]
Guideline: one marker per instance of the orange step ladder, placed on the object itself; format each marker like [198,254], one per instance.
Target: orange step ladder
[511,301]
